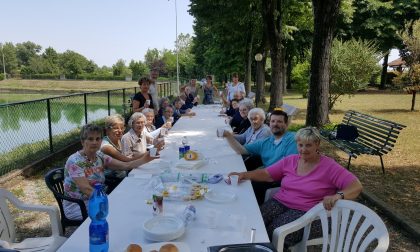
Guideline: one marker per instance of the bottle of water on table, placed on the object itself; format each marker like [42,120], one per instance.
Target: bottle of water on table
[189,214]
[98,229]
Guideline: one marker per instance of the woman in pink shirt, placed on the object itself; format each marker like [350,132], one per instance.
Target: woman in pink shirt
[306,179]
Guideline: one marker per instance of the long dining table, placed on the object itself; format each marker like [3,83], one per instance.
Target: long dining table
[215,223]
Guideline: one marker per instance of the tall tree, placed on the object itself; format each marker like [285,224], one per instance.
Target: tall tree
[10,59]
[273,23]
[151,56]
[325,18]
[25,51]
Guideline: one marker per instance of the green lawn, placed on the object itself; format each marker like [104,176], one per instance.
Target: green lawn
[400,186]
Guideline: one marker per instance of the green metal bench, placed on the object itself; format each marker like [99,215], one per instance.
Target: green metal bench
[376,136]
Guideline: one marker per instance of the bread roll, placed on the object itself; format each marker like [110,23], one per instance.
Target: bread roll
[168,248]
[133,248]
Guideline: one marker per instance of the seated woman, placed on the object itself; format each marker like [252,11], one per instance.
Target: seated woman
[86,167]
[134,142]
[233,108]
[150,127]
[166,118]
[163,103]
[188,97]
[143,99]
[258,129]
[240,122]
[111,146]
[180,110]
[306,179]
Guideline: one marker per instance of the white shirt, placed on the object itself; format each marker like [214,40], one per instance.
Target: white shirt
[240,87]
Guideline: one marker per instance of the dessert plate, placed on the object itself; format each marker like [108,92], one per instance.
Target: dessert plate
[163,228]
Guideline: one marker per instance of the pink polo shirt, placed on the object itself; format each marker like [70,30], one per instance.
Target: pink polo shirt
[304,192]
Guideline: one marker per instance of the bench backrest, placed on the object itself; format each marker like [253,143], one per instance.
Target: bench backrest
[377,134]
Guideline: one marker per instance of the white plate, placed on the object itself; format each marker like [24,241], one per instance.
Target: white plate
[182,246]
[220,196]
[163,228]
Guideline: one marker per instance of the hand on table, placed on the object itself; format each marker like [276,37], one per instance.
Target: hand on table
[227,133]
[241,176]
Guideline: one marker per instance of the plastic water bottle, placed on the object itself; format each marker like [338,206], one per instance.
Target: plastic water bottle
[189,214]
[98,229]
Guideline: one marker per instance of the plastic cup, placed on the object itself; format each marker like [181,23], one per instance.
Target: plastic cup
[234,179]
[153,152]
[220,132]
[213,218]
[148,102]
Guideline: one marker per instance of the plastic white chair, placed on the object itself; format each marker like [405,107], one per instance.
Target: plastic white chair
[7,227]
[353,228]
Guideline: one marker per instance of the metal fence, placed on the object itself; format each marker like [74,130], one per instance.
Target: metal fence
[33,129]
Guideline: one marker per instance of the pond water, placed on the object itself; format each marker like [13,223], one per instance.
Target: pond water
[28,123]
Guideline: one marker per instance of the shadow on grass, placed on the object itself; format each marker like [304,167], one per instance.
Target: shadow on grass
[398,187]
[391,111]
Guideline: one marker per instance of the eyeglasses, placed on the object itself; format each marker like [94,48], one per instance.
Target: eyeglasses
[117,128]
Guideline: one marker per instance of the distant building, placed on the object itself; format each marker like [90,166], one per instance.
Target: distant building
[398,65]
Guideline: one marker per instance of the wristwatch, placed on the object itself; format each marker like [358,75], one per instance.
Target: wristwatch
[341,194]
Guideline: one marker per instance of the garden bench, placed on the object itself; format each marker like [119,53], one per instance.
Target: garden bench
[376,136]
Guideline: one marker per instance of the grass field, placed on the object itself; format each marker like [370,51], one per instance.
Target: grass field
[64,85]
[399,187]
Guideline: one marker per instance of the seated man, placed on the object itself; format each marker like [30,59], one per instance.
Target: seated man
[271,149]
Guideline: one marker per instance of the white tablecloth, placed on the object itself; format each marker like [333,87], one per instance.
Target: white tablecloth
[215,223]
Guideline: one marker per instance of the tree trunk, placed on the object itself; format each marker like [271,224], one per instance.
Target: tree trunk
[384,71]
[284,71]
[413,100]
[289,72]
[325,18]
[272,25]
[249,60]
[260,79]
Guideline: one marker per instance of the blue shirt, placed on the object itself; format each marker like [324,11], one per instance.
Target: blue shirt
[270,152]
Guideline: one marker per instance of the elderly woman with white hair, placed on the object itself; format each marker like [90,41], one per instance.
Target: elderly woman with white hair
[240,122]
[135,141]
[258,129]
[150,127]
[306,179]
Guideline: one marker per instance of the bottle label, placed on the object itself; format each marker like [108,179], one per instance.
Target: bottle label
[157,204]
[98,233]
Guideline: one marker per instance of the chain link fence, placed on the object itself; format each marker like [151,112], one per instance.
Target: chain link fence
[34,129]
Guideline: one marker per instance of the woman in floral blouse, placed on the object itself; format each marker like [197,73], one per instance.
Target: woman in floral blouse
[86,167]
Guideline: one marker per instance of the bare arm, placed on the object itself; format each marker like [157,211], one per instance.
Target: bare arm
[260,175]
[350,193]
[83,184]
[236,146]
[137,108]
[116,164]
[111,151]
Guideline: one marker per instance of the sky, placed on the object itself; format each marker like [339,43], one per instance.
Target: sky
[101,30]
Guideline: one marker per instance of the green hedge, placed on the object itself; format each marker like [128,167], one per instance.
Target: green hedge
[1,76]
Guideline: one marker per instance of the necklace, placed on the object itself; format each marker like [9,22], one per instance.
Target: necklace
[117,147]
[83,154]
